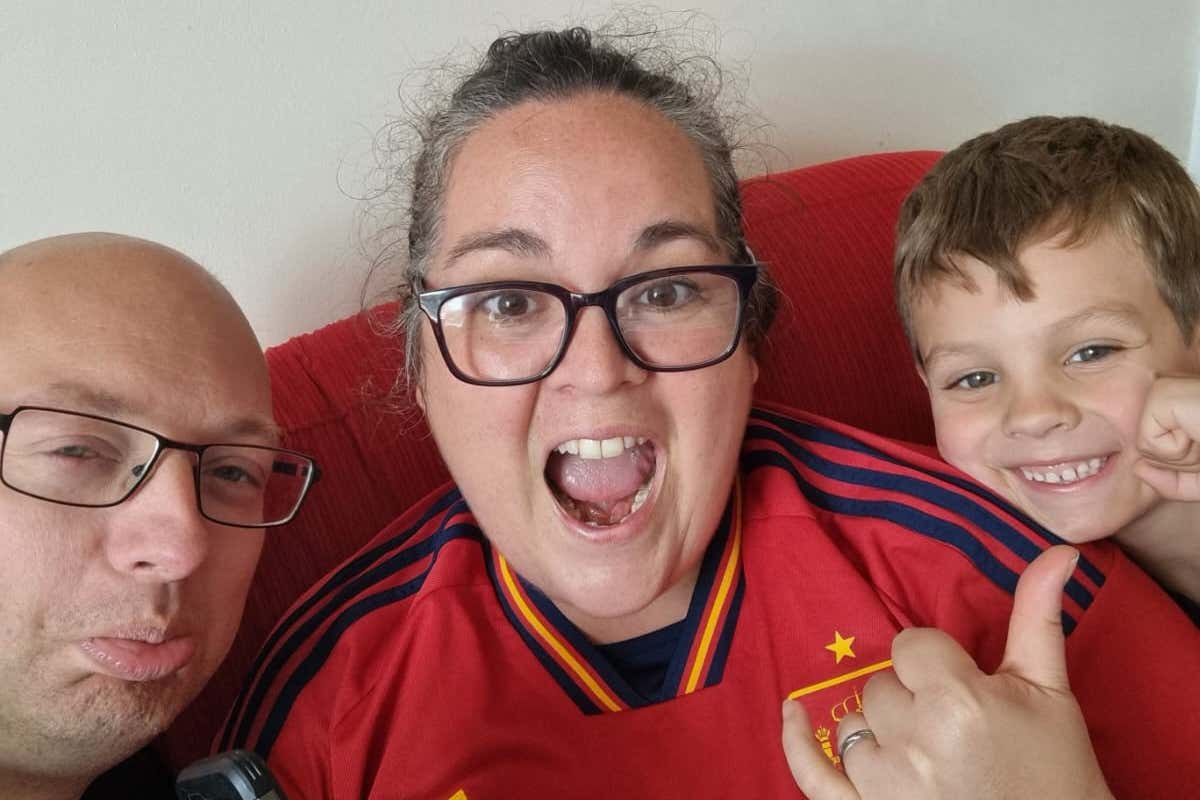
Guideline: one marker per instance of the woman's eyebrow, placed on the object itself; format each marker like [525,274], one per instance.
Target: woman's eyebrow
[524,243]
[512,240]
[669,230]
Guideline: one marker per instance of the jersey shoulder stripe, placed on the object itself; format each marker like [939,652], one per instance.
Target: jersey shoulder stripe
[821,431]
[848,476]
[390,569]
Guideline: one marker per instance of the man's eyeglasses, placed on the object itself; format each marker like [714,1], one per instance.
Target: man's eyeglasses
[84,460]
[511,332]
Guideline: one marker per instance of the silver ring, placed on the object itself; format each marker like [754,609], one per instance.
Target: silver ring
[853,739]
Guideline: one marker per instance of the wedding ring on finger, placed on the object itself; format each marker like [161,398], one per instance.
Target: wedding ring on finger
[853,739]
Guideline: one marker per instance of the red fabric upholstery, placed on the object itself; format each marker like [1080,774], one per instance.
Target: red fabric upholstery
[836,349]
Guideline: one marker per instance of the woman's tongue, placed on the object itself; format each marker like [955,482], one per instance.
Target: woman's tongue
[600,490]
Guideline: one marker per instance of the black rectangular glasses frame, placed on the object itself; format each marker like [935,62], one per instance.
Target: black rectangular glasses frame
[431,301]
[161,443]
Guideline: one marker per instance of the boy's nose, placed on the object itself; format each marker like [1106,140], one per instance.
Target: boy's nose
[1038,411]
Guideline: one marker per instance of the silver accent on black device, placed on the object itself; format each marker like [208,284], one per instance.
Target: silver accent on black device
[235,775]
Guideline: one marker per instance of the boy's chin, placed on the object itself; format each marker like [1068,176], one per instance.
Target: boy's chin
[1077,527]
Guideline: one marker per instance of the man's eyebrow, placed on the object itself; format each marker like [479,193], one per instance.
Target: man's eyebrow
[512,240]
[253,427]
[80,397]
[93,400]
[669,230]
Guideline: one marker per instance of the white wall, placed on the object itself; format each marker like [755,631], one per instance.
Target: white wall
[1193,161]
[235,130]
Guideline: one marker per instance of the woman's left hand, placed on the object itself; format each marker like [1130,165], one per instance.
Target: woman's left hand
[939,727]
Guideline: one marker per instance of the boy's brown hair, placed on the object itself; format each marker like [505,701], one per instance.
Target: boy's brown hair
[1039,177]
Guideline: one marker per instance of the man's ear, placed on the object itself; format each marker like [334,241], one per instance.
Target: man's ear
[419,396]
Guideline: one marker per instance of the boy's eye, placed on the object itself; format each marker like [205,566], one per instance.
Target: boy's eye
[974,380]
[1093,352]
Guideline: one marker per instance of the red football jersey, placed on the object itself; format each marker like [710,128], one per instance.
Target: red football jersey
[425,667]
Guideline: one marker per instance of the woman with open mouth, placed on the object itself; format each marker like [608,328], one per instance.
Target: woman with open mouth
[633,567]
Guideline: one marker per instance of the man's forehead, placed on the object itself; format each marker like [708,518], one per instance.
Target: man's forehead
[102,275]
[132,330]
[93,246]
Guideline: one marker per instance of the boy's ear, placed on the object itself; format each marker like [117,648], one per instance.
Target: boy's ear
[921,372]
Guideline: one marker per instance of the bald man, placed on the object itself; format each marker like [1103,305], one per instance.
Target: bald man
[139,468]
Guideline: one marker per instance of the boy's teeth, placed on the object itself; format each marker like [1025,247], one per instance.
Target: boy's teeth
[1064,473]
[600,448]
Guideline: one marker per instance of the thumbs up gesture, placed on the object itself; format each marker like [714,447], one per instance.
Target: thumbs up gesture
[941,728]
[1169,438]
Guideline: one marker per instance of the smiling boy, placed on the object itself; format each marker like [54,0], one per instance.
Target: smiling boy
[1048,276]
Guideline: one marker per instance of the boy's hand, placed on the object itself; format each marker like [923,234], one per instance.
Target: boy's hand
[1170,438]
[944,729]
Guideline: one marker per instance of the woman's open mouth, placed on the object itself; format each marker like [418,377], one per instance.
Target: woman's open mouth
[601,481]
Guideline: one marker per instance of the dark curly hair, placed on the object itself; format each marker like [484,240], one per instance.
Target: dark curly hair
[554,65]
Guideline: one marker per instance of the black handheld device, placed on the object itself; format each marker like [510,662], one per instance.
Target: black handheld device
[235,775]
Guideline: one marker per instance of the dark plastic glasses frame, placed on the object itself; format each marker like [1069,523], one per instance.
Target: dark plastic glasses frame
[161,443]
[431,302]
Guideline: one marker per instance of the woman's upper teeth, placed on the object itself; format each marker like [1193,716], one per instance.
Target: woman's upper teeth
[1064,473]
[600,448]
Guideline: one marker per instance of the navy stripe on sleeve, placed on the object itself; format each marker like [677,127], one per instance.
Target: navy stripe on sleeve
[919,522]
[320,652]
[351,579]
[813,433]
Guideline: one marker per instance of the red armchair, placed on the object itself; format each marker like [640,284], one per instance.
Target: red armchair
[836,349]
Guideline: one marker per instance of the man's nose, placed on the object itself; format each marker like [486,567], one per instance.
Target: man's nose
[158,534]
